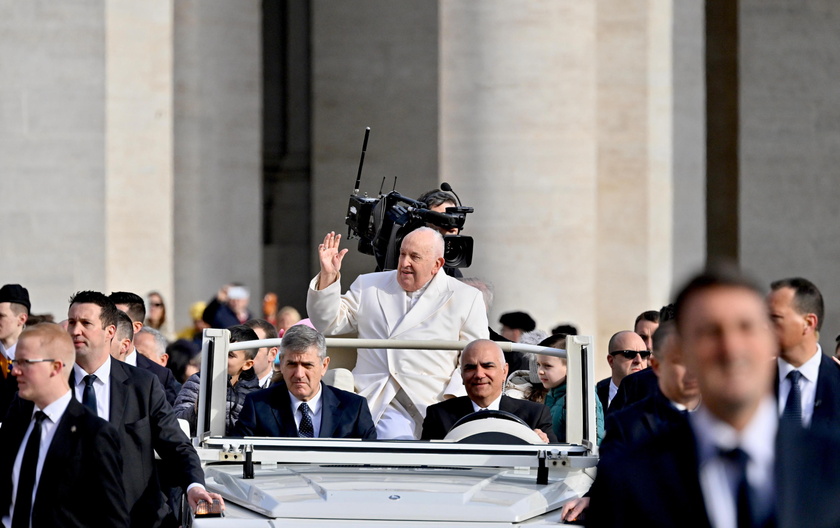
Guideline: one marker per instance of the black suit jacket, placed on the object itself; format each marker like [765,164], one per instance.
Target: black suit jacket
[639,422]
[441,417]
[146,423]
[268,412]
[635,387]
[164,375]
[656,483]
[602,389]
[827,397]
[81,478]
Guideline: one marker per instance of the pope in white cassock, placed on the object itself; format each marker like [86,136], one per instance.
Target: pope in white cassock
[417,301]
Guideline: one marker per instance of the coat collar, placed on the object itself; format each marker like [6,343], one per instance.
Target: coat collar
[392,299]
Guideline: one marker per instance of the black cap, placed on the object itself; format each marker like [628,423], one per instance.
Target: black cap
[518,320]
[15,293]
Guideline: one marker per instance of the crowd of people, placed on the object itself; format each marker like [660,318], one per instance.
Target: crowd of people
[720,409]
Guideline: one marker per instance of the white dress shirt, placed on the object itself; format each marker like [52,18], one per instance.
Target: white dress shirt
[54,412]
[8,352]
[494,405]
[131,359]
[810,371]
[717,480]
[101,387]
[314,411]
[613,392]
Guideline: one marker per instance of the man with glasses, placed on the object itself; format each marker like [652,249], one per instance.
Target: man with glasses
[627,354]
[62,463]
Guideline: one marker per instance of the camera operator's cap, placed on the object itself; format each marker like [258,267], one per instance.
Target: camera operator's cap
[518,320]
[15,293]
[237,292]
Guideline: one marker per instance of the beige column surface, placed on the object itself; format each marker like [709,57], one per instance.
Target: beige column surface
[138,146]
[554,125]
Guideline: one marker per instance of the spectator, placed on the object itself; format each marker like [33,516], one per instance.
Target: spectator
[229,307]
[123,342]
[184,359]
[195,332]
[14,315]
[157,314]
[552,373]
[514,324]
[566,328]
[152,345]
[287,317]
[241,382]
[269,308]
[412,302]
[264,360]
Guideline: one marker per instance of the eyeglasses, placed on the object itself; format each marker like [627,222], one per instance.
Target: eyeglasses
[25,363]
[631,354]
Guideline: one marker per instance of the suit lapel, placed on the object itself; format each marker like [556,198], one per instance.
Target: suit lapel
[119,398]
[329,413]
[391,299]
[281,410]
[432,300]
[63,446]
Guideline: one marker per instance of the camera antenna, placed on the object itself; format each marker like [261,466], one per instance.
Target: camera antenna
[448,188]
[395,184]
[361,162]
[381,185]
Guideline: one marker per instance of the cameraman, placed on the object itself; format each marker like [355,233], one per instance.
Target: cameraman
[437,201]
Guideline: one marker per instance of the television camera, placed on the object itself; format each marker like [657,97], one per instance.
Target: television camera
[381,223]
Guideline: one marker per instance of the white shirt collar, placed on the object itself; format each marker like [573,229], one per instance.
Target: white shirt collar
[103,373]
[55,410]
[8,352]
[131,358]
[757,439]
[494,405]
[314,404]
[809,370]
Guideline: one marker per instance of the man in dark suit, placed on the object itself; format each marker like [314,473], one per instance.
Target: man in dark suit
[80,478]
[302,405]
[797,309]
[484,372]
[677,392]
[626,354]
[132,400]
[133,305]
[726,465]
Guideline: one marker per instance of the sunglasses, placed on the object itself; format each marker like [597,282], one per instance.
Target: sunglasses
[631,354]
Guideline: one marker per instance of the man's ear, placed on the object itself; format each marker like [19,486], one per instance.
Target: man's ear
[23,318]
[655,365]
[439,262]
[164,359]
[249,363]
[110,331]
[272,353]
[811,321]
[610,359]
[326,364]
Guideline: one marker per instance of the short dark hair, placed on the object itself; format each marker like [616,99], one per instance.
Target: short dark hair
[518,320]
[136,305]
[568,329]
[650,315]
[269,329]
[240,333]
[660,335]
[806,297]
[667,313]
[125,329]
[109,315]
[717,276]
[436,197]
[300,338]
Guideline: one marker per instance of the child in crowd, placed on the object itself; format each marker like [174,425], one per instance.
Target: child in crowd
[241,381]
[552,374]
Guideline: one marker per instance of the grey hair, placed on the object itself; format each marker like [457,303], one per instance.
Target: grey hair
[300,338]
[533,337]
[485,287]
[438,247]
[160,340]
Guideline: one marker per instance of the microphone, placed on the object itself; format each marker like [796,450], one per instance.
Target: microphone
[448,188]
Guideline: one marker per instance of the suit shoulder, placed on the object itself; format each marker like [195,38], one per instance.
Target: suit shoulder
[448,406]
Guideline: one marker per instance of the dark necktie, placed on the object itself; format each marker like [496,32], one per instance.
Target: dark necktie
[306,429]
[26,479]
[739,460]
[89,396]
[793,406]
